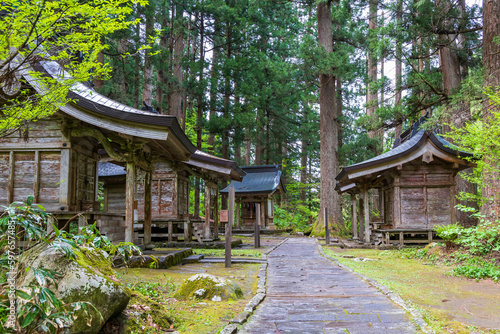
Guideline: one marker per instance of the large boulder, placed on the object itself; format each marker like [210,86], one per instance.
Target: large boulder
[88,278]
[206,286]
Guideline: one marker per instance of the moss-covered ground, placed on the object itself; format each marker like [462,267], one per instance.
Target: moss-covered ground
[187,316]
[449,304]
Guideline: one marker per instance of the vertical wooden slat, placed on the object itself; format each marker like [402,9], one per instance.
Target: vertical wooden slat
[238,209]
[263,214]
[366,204]
[216,215]
[64,185]
[36,181]
[361,218]
[10,188]
[129,202]
[354,217]
[170,231]
[207,210]
[257,226]
[453,202]
[382,204]
[229,227]
[396,217]
[147,208]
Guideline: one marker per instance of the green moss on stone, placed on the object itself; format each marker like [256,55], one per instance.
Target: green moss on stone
[206,286]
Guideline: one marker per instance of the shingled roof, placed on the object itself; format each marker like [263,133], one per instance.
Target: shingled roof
[413,147]
[163,131]
[264,179]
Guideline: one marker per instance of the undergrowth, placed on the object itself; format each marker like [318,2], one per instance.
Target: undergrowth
[474,251]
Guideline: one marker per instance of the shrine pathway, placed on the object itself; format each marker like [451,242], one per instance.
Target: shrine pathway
[307,293]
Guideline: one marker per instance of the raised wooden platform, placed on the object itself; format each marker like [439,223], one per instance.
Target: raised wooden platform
[407,236]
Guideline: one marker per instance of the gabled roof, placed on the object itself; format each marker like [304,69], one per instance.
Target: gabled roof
[163,131]
[264,179]
[419,143]
[210,163]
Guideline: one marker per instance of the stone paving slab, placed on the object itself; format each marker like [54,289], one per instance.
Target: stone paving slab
[307,293]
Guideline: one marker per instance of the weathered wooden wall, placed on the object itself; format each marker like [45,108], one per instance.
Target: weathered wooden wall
[421,196]
[42,162]
[170,192]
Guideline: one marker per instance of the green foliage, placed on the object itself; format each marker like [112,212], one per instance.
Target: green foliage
[40,310]
[32,31]
[298,217]
[155,290]
[478,271]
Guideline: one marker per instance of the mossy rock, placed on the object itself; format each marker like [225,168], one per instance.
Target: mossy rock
[206,286]
[89,278]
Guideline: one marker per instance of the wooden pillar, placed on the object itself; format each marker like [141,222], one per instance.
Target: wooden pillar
[82,221]
[238,209]
[396,216]
[65,177]
[10,187]
[263,214]
[382,204]
[216,215]
[229,227]
[361,234]
[129,202]
[208,209]
[147,209]
[366,204]
[36,183]
[170,232]
[256,232]
[354,215]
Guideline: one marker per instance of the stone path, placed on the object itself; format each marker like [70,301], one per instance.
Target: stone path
[307,293]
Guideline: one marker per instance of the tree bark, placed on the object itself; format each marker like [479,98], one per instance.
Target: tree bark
[329,162]
[147,87]
[491,60]
[371,93]
[177,90]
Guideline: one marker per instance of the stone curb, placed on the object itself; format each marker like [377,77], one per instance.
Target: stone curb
[257,298]
[417,317]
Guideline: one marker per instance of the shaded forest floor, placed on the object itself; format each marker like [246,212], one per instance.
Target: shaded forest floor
[448,304]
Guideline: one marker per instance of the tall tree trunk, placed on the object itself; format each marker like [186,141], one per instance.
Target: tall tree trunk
[329,162]
[214,78]
[399,68]
[160,86]
[248,147]
[371,93]
[303,159]
[147,87]
[227,93]
[98,82]
[177,91]
[491,59]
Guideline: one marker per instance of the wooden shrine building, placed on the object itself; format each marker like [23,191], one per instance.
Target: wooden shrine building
[56,159]
[170,216]
[260,185]
[416,188]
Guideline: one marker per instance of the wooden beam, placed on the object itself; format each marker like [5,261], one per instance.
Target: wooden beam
[36,181]
[10,187]
[354,216]
[361,233]
[147,208]
[229,227]
[256,233]
[216,215]
[208,210]
[65,179]
[129,202]
[238,209]
[366,204]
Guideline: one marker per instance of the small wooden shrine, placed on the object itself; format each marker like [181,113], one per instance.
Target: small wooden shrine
[259,186]
[170,189]
[415,182]
[55,159]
